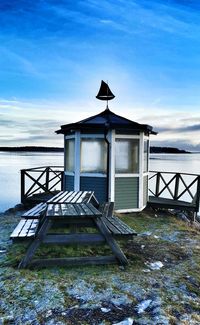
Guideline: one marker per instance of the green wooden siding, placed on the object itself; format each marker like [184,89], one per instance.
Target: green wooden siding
[145,190]
[126,192]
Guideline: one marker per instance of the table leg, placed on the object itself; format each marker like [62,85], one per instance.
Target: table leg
[111,242]
[35,243]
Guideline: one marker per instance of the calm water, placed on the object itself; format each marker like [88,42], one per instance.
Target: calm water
[11,163]
[184,163]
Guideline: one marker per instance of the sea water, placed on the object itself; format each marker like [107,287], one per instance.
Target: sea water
[10,165]
[12,162]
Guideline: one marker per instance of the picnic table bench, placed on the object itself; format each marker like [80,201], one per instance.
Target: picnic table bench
[25,229]
[28,225]
[115,226]
[28,228]
[73,210]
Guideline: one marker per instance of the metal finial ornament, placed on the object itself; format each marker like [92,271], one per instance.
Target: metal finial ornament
[104,92]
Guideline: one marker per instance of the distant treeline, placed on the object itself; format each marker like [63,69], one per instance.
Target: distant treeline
[55,149]
[166,150]
[32,148]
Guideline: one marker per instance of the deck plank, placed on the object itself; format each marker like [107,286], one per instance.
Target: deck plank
[159,202]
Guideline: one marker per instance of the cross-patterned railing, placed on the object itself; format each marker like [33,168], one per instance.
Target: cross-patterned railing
[170,185]
[175,186]
[41,180]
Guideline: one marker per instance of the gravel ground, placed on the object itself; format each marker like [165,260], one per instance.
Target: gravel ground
[161,284]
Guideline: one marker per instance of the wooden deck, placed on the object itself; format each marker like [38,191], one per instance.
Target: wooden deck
[160,202]
[39,198]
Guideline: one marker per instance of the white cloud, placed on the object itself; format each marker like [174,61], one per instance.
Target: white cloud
[34,123]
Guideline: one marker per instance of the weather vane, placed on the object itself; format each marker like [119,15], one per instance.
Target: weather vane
[105,93]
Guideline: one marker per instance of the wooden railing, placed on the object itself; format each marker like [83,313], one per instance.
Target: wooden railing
[41,180]
[175,186]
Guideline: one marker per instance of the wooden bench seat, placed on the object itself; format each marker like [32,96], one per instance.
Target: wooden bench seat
[35,212]
[26,228]
[115,226]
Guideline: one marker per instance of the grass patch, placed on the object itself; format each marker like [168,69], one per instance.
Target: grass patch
[167,239]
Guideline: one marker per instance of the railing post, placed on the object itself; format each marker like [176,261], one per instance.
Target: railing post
[22,186]
[176,186]
[47,178]
[62,181]
[157,184]
[198,194]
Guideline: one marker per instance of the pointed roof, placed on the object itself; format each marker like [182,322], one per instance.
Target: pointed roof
[106,120]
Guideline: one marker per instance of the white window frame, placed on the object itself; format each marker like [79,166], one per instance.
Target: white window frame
[91,136]
[93,174]
[139,175]
[147,172]
[69,137]
[146,138]
[77,136]
[128,137]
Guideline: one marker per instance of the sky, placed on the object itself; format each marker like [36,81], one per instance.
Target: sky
[54,54]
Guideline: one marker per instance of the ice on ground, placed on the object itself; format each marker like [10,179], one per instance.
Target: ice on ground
[142,306]
[155,265]
[128,321]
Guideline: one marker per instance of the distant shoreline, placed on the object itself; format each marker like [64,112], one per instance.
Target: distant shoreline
[153,149]
[31,149]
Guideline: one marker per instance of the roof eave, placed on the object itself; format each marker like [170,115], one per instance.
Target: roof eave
[71,128]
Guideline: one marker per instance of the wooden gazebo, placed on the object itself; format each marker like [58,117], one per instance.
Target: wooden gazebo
[108,154]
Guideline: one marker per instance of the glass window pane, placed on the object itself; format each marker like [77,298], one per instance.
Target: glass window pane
[146,155]
[69,155]
[93,156]
[127,156]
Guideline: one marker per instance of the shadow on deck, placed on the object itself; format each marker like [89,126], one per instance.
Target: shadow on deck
[39,197]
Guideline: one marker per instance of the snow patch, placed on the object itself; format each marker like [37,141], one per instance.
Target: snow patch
[128,321]
[155,265]
[141,307]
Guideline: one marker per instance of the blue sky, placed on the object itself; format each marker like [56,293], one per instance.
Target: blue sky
[53,55]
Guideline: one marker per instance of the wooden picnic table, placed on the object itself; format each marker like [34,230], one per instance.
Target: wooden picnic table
[74,197]
[74,210]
